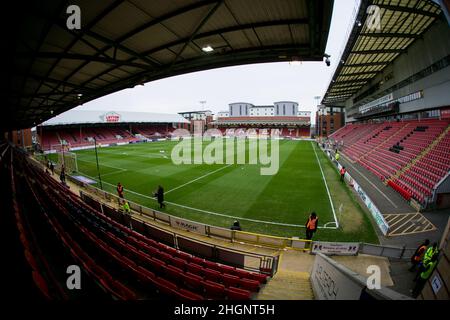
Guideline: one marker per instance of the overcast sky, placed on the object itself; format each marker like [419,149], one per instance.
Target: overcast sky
[260,84]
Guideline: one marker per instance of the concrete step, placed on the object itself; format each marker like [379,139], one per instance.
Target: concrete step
[287,285]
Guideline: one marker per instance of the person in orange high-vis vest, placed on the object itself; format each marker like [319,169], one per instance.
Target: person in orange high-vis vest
[417,257]
[311,225]
[342,172]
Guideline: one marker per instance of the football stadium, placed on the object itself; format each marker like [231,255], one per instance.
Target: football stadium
[348,199]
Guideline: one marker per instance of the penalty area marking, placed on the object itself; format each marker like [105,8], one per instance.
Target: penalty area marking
[336,223]
[216,213]
[115,172]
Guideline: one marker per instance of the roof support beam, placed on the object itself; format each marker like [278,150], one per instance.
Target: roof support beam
[115,45]
[346,87]
[313,28]
[165,17]
[199,27]
[408,10]
[79,35]
[367,64]
[356,81]
[244,56]
[81,89]
[389,35]
[378,51]
[356,74]
[229,29]
[76,56]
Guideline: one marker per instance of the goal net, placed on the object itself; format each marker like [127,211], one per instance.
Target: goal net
[68,160]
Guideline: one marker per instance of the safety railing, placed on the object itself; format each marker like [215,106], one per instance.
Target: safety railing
[242,259]
[248,237]
[203,229]
[402,253]
[233,235]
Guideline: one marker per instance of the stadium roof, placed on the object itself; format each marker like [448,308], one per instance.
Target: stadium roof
[202,111]
[123,43]
[370,50]
[90,117]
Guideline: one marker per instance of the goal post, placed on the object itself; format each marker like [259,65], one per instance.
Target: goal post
[69,161]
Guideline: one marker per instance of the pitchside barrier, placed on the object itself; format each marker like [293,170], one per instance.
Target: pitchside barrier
[376,213]
[314,247]
[203,229]
[333,281]
[402,253]
[238,258]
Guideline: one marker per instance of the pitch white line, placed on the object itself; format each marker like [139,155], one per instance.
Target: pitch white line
[102,165]
[140,155]
[214,213]
[115,172]
[245,219]
[192,181]
[326,186]
[328,223]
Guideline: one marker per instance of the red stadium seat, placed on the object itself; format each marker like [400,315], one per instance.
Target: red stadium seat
[230,280]
[195,268]
[212,275]
[166,287]
[214,290]
[180,263]
[248,284]
[156,265]
[145,275]
[237,294]
[184,294]
[193,281]
[175,274]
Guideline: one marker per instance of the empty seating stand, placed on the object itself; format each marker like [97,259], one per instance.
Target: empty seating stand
[126,264]
[51,139]
[411,156]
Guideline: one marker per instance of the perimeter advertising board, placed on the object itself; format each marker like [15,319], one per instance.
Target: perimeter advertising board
[376,214]
[187,225]
[335,248]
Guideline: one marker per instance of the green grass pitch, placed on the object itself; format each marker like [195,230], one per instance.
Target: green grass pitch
[220,193]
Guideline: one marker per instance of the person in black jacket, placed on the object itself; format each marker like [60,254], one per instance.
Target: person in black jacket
[236,226]
[62,175]
[160,196]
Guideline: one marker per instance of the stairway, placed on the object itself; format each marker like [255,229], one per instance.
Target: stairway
[287,285]
[419,156]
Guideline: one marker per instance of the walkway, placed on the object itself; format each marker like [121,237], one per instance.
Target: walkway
[385,198]
[402,218]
